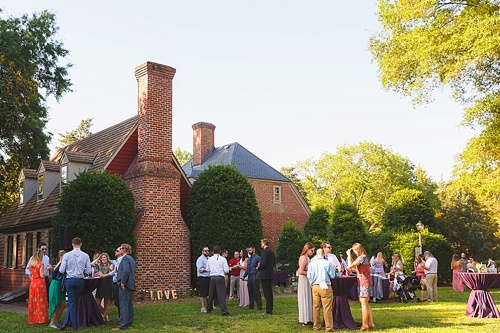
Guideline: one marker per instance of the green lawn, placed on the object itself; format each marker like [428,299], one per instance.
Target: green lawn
[448,315]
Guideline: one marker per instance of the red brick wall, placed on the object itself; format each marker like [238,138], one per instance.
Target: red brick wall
[274,215]
[203,141]
[163,238]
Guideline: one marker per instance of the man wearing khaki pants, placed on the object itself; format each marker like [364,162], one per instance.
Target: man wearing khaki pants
[320,273]
[431,277]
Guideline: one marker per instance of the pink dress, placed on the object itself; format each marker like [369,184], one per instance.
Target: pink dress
[243,290]
[457,281]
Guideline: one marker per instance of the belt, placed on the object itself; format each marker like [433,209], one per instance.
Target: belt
[430,273]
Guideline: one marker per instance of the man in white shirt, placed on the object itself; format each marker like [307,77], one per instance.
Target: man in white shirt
[431,277]
[218,268]
[327,249]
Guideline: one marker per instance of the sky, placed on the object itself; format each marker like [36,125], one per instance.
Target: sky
[288,80]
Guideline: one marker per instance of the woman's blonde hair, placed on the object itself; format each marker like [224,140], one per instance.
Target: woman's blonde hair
[37,256]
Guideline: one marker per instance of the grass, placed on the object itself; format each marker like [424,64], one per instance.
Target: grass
[448,315]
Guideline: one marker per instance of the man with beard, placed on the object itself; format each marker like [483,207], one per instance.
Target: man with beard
[253,278]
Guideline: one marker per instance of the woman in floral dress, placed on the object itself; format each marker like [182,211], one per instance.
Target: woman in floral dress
[38,308]
[362,266]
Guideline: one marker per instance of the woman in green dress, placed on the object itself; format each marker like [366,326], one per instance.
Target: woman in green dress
[57,301]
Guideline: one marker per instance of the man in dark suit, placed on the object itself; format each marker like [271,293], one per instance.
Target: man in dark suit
[266,274]
[126,279]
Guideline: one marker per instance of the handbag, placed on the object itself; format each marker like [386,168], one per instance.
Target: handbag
[63,283]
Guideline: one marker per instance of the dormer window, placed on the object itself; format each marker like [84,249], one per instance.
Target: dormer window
[64,175]
[21,192]
[277,194]
[40,186]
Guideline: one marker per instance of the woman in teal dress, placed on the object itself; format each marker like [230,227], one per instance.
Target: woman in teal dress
[105,289]
[57,301]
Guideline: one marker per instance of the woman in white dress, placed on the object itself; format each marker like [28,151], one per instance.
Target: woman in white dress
[243,289]
[304,292]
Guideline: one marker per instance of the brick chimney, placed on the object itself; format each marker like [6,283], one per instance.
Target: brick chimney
[203,141]
[156,182]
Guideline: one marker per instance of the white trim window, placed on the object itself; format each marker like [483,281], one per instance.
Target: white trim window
[41,177]
[64,176]
[29,246]
[277,194]
[21,192]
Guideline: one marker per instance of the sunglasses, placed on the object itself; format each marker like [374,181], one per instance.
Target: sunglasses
[117,251]
[43,249]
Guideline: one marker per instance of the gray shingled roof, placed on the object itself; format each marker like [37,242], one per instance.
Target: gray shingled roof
[102,145]
[247,163]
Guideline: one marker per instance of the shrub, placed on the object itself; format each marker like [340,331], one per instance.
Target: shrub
[99,207]
[290,243]
[223,211]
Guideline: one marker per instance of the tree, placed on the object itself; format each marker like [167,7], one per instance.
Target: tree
[365,174]
[223,210]
[346,228]
[182,156]
[80,132]
[405,208]
[425,45]
[30,57]
[466,224]
[290,243]
[99,207]
[317,225]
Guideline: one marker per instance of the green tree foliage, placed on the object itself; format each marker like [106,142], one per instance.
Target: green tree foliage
[437,244]
[405,208]
[428,187]
[223,210]
[425,45]
[80,132]
[347,227]
[100,208]
[182,156]
[467,225]
[317,225]
[365,174]
[30,57]
[290,243]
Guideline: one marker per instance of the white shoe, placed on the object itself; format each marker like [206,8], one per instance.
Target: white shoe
[204,310]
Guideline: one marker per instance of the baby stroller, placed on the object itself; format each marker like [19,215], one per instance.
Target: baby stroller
[405,286]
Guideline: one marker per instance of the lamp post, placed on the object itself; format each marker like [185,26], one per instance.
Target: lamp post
[420,227]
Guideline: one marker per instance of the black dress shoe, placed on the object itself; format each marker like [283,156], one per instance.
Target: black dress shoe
[63,327]
[227,314]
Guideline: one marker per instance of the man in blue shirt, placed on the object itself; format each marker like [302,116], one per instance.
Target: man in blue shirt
[320,273]
[75,264]
[253,279]
[203,277]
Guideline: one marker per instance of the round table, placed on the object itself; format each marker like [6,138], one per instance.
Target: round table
[342,316]
[88,313]
[480,303]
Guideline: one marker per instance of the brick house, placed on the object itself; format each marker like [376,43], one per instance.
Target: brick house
[139,149]
[277,197]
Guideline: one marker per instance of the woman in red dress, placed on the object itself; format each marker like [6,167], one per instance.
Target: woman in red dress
[38,309]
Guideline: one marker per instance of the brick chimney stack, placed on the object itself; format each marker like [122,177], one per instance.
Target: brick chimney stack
[155,111]
[156,182]
[203,141]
